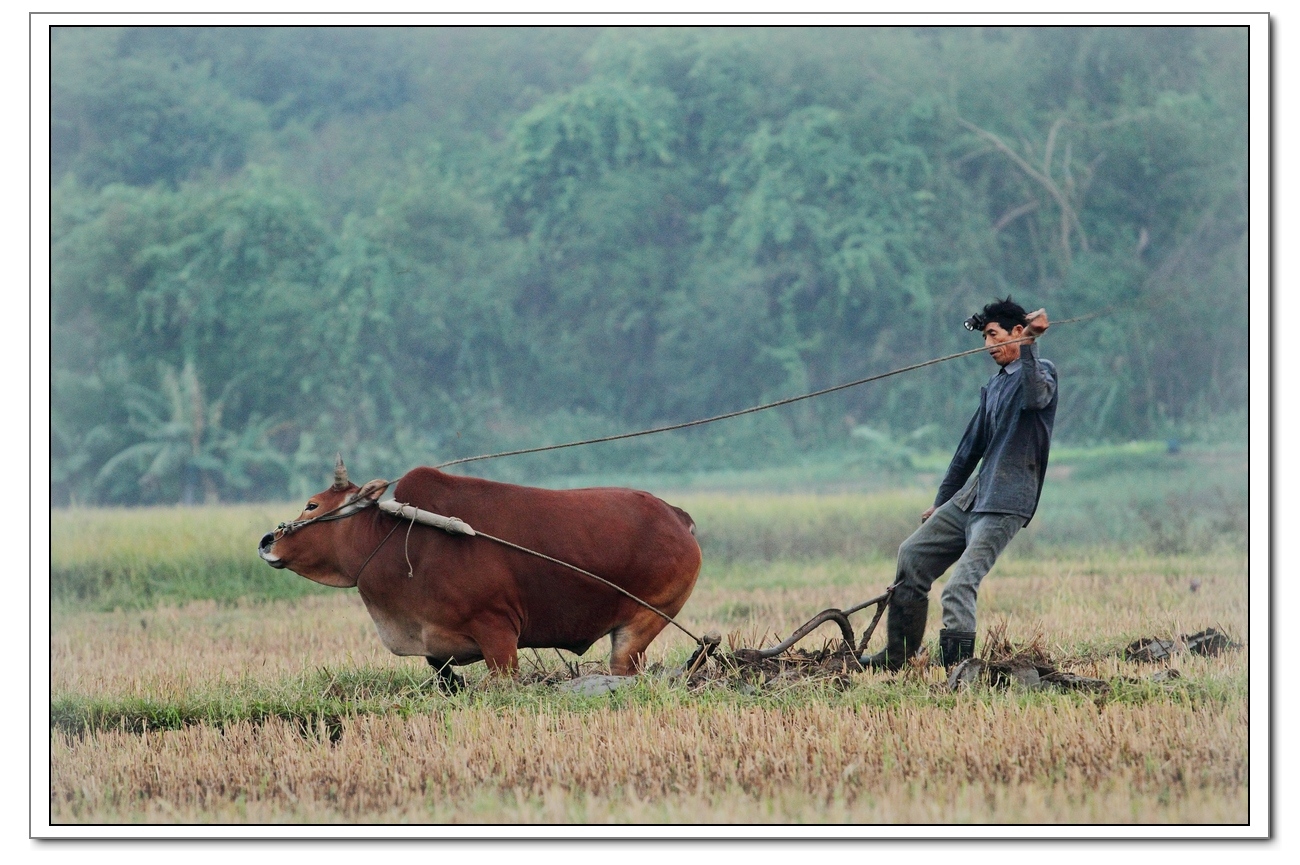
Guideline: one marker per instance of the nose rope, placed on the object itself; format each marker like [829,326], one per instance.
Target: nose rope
[329,516]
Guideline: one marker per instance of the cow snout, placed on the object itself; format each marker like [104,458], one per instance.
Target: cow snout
[264,550]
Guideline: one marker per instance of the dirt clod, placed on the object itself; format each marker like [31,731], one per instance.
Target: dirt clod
[1020,672]
[966,674]
[1209,642]
[1075,682]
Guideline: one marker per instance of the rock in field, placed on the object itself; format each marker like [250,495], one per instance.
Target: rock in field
[591,686]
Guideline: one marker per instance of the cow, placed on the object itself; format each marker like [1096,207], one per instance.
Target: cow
[457,599]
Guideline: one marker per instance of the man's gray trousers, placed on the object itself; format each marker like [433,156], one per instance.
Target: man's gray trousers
[972,540]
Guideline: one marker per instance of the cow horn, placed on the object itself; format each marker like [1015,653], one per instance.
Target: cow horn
[340,473]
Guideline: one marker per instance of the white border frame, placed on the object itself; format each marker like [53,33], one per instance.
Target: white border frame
[1261,695]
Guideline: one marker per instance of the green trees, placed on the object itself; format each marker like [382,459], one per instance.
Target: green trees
[182,443]
[417,244]
[231,278]
[141,119]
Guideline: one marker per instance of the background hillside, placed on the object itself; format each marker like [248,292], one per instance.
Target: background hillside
[417,244]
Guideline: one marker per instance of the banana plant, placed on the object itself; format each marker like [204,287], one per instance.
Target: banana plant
[183,446]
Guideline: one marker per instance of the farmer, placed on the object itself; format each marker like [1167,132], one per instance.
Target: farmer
[975,516]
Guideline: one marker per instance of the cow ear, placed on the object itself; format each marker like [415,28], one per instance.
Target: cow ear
[372,490]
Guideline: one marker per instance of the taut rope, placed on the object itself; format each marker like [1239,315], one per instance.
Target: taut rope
[454,525]
[751,409]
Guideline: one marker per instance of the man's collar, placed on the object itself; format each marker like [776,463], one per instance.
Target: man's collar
[1010,368]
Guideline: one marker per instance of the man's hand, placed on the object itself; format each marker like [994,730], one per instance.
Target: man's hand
[1037,323]
[928,512]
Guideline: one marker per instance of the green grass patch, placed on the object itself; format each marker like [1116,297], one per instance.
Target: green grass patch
[323,696]
[803,527]
[1118,497]
[322,700]
[1142,498]
[135,558]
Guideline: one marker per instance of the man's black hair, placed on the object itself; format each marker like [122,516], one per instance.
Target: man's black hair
[1005,312]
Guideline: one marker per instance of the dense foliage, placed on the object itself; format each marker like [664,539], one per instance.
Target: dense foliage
[417,244]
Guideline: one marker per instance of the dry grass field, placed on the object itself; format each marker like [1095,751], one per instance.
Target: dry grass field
[288,709]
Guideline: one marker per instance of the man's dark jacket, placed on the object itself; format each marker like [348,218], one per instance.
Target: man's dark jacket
[1011,432]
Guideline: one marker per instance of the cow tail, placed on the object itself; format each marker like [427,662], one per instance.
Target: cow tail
[685,518]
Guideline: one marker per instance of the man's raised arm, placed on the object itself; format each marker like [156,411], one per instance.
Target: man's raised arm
[1040,381]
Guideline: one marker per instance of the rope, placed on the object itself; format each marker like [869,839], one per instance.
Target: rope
[329,516]
[410,569]
[752,409]
[376,549]
[841,615]
[667,618]
[396,509]
[455,526]
[413,516]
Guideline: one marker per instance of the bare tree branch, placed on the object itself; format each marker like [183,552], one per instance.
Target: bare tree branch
[1013,214]
[1068,215]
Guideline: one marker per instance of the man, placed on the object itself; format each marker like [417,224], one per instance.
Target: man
[974,516]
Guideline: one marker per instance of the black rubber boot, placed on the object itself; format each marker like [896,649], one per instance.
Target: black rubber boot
[904,630]
[956,646]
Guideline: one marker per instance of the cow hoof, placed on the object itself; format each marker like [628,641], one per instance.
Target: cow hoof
[448,681]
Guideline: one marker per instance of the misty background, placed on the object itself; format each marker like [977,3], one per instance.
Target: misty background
[412,245]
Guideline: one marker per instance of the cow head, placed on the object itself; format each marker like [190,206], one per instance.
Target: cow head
[311,550]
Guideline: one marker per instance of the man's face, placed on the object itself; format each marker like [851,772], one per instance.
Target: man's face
[996,340]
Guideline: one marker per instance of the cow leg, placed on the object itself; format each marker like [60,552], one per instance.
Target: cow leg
[628,643]
[448,681]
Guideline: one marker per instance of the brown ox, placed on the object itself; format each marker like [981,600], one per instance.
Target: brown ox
[468,599]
